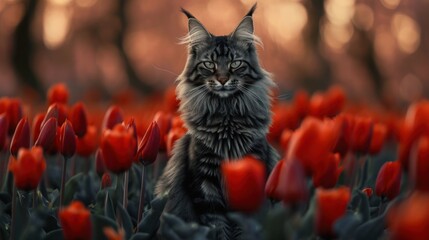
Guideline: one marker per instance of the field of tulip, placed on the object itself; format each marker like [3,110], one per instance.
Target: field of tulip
[88,171]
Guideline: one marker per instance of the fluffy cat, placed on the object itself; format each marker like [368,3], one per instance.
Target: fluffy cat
[225,103]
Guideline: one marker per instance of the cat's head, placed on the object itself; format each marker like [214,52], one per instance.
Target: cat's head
[222,65]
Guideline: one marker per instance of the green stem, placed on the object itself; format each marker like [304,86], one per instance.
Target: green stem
[125,184]
[13,220]
[142,190]
[63,181]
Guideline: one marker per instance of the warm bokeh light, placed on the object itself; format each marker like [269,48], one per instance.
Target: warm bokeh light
[56,23]
[85,3]
[285,20]
[407,32]
[390,4]
[339,12]
[363,17]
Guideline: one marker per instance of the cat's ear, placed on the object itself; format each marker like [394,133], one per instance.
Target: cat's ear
[197,32]
[244,31]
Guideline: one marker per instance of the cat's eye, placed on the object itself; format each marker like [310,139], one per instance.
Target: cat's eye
[235,64]
[209,65]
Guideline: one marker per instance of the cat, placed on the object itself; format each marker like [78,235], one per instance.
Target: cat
[225,103]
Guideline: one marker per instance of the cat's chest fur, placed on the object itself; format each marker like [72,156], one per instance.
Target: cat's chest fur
[228,135]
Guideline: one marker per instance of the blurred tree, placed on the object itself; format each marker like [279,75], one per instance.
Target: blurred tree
[23,49]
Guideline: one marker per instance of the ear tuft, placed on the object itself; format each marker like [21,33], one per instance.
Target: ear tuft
[252,10]
[197,33]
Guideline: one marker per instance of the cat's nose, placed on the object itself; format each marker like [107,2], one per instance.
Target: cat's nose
[222,79]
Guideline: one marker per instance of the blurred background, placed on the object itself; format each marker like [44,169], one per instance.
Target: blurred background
[377,50]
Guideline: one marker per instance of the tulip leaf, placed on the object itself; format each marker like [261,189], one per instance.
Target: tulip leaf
[150,223]
[54,235]
[141,236]
[372,229]
[251,229]
[125,220]
[99,222]
[172,227]
[307,227]
[274,224]
[72,186]
[5,197]
[109,209]
[22,214]
[345,227]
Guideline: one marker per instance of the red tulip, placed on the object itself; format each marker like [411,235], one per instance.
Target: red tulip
[100,167]
[149,145]
[76,221]
[284,117]
[287,182]
[58,93]
[106,181]
[177,122]
[67,139]
[300,103]
[171,101]
[131,125]
[410,219]
[379,135]
[56,111]
[78,119]
[388,181]
[21,137]
[14,112]
[47,135]
[28,168]
[320,135]
[361,134]
[4,125]
[285,139]
[112,117]
[87,145]
[419,166]
[173,135]
[416,124]
[331,205]
[244,180]
[368,191]
[317,106]
[37,125]
[334,100]
[346,123]
[328,171]
[118,149]
[164,123]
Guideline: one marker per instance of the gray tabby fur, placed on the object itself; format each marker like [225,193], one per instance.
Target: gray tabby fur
[224,121]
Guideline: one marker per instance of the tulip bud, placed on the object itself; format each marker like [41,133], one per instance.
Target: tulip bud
[300,103]
[100,167]
[106,181]
[164,123]
[47,134]
[131,126]
[287,182]
[334,101]
[56,111]
[327,172]
[285,139]
[78,119]
[173,135]
[112,117]
[361,134]
[28,168]
[21,137]
[118,149]
[244,181]
[149,145]
[14,112]
[368,191]
[87,145]
[4,125]
[58,93]
[388,181]
[331,205]
[379,135]
[67,140]
[76,221]
[419,165]
[409,219]
[37,125]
